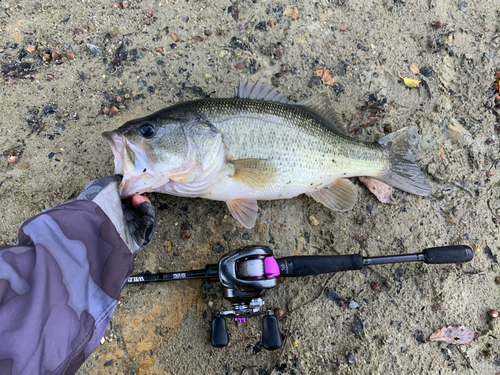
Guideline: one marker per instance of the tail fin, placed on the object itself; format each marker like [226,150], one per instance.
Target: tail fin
[402,170]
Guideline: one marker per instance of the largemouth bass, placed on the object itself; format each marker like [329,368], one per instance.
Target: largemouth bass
[258,146]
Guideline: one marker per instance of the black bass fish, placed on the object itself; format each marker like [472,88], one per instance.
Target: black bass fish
[258,146]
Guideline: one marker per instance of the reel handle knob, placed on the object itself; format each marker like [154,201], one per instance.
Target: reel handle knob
[220,338]
[271,335]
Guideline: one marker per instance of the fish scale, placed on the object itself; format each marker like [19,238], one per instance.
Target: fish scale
[258,146]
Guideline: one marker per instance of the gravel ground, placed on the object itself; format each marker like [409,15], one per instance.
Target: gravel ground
[71,70]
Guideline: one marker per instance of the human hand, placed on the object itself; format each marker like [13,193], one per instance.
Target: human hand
[134,219]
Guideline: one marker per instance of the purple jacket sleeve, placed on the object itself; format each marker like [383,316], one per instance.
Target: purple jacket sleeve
[59,287]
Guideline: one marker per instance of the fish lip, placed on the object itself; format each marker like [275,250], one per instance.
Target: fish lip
[116,142]
[133,181]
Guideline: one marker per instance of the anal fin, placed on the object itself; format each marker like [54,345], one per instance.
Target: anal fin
[341,195]
[244,210]
[254,173]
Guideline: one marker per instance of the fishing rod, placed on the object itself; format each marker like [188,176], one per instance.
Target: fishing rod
[248,272]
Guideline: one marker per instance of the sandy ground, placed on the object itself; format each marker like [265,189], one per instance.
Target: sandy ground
[53,116]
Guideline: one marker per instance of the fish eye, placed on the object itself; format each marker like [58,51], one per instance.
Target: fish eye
[147,130]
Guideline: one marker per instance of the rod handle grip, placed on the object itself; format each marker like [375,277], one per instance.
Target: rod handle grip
[448,254]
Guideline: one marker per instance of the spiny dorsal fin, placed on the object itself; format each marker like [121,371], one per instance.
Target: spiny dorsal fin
[244,210]
[339,196]
[259,91]
[254,173]
[320,103]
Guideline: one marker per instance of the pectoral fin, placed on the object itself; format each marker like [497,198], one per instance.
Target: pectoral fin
[339,196]
[244,210]
[254,173]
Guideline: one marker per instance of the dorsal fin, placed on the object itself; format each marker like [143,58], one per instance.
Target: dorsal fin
[320,103]
[259,91]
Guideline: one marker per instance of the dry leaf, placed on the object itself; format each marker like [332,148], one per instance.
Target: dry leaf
[174,37]
[295,13]
[326,77]
[410,82]
[458,335]
[414,69]
[366,117]
[379,189]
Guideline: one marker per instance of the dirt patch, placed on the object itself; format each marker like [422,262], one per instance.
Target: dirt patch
[95,65]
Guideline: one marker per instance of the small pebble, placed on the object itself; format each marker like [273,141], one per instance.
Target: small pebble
[340,302]
[497,279]
[119,98]
[239,66]
[147,21]
[285,68]
[208,32]
[1,50]
[73,116]
[185,235]
[353,305]
[436,308]
[493,313]
[332,42]
[185,19]
[241,26]
[278,312]
[387,128]
[78,32]
[343,28]
[295,71]
[70,55]
[185,226]
[46,57]
[117,4]
[31,49]
[12,159]
[490,140]
[438,24]
[432,43]
[313,221]
[159,49]
[360,46]
[496,220]
[126,4]
[12,81]
[55,56]
[423,54]
[113,111]
[488,104]
[375,286]
[149,13]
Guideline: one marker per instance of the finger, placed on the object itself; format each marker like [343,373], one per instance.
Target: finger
[138,199]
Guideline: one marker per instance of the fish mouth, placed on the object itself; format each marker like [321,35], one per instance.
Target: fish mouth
[116,142]
[132,164]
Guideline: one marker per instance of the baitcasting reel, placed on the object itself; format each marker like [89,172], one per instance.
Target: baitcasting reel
[248,272]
